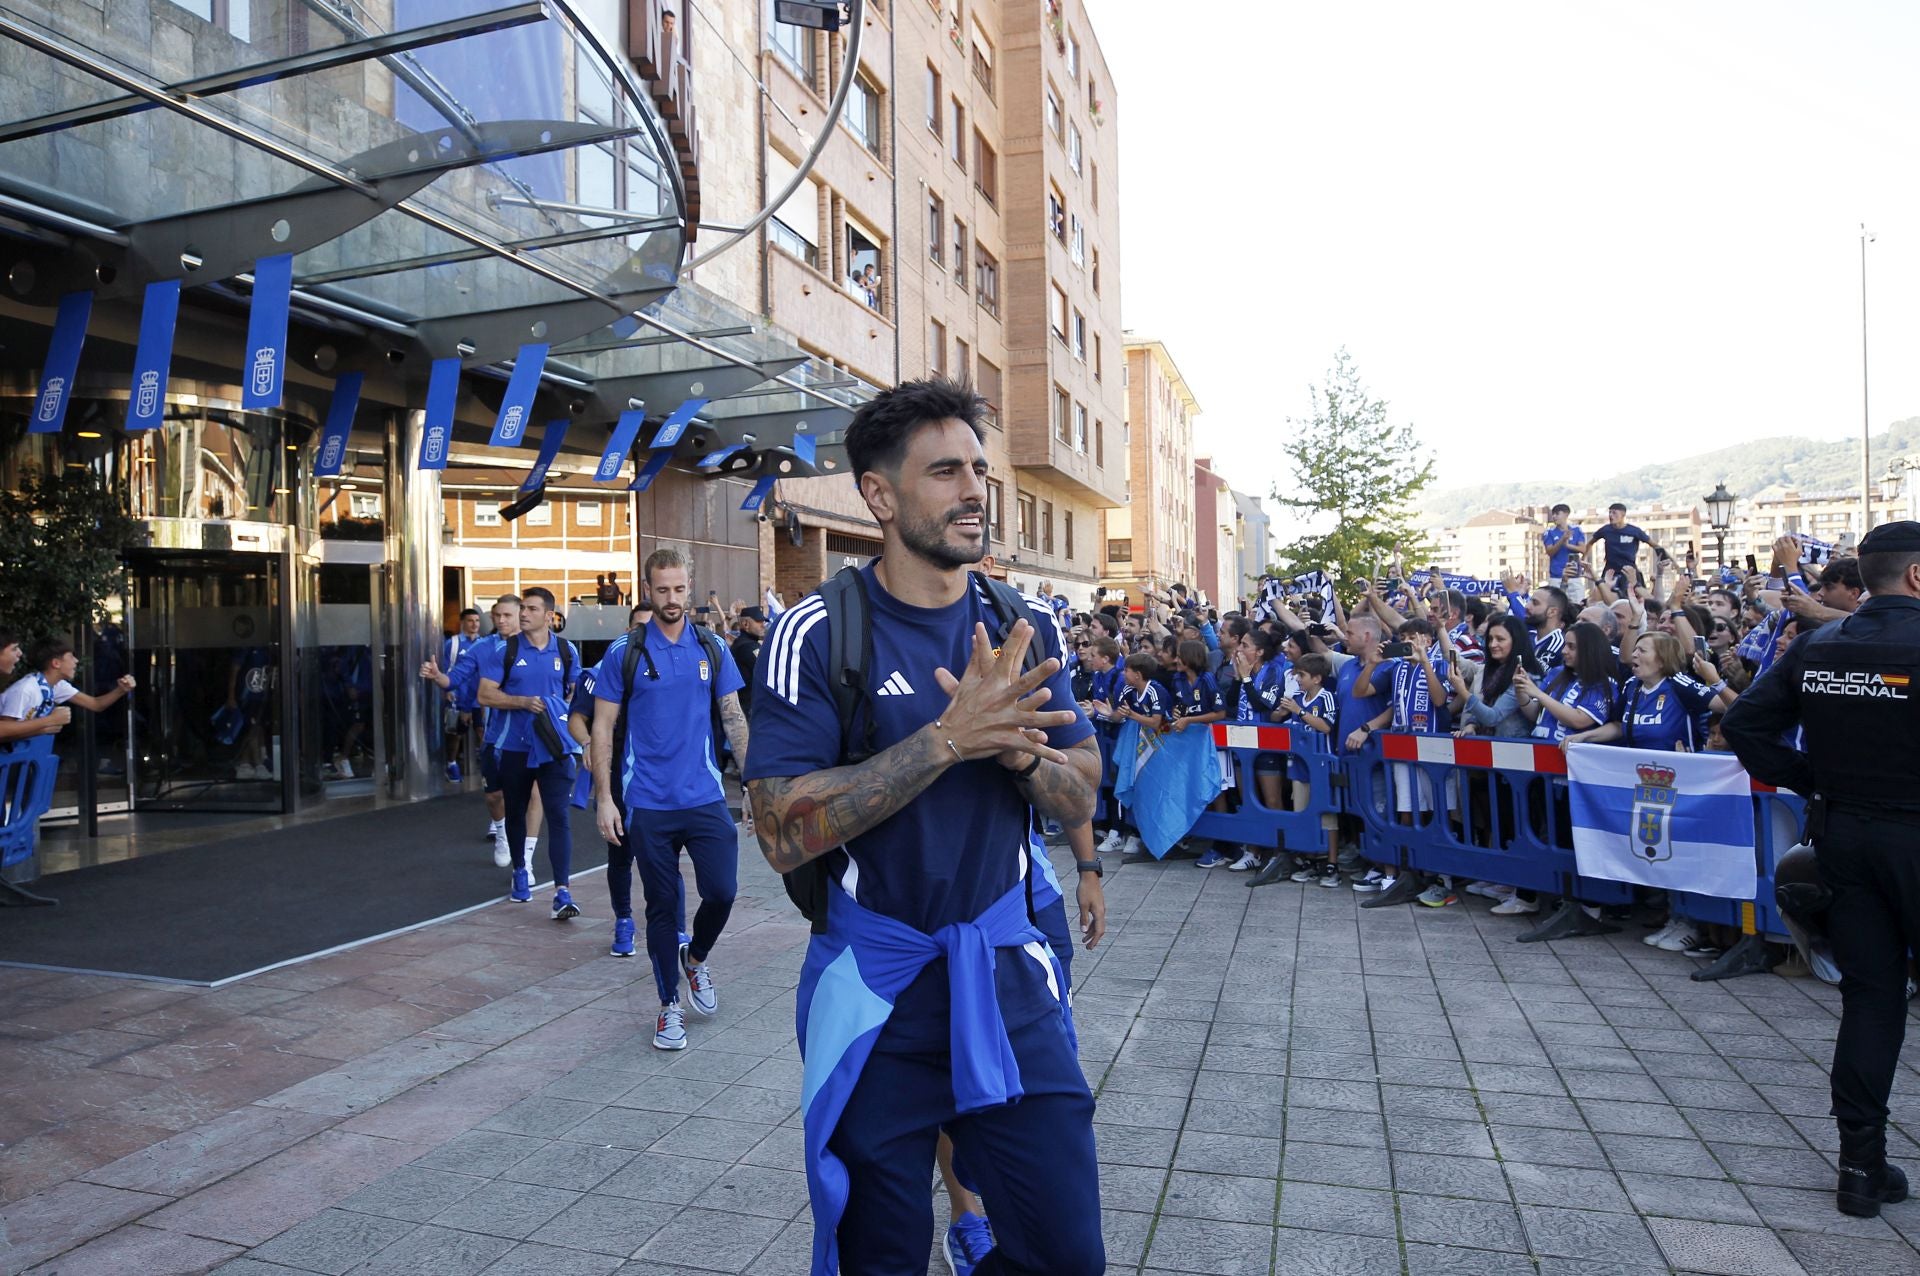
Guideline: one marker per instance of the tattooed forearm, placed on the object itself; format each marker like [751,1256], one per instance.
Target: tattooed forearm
[802,817]
[1065,791]
[734,723]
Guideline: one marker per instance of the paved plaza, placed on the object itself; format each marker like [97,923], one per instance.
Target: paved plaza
[1287,1084]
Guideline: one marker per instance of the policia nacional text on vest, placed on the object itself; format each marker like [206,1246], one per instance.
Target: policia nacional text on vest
[1852,687]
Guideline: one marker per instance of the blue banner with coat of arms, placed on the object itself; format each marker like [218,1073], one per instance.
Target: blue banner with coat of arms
[1678,821]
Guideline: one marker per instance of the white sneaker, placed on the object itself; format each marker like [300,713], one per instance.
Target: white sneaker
[344,769]
[1685,935]
[1108,844]
[1515,907]
[699,982]
[502,854]
[1131,846]
[1490,890]
[1659,937]
[670,1032]
[1245,862]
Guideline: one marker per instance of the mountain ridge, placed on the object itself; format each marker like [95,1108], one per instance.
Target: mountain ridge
[1753,468]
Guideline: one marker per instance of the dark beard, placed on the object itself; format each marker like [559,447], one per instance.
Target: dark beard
[927,539]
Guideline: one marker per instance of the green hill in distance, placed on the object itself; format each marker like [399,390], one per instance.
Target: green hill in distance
[1755,467]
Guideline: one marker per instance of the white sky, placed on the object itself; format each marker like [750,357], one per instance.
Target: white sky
[1531,224]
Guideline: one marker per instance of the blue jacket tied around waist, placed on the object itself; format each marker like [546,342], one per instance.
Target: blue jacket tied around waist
[852,975]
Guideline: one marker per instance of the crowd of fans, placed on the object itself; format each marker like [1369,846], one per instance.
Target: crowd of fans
[1601,653]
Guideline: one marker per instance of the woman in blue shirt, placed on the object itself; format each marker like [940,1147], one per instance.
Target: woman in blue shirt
[1580,695]
[1663,706]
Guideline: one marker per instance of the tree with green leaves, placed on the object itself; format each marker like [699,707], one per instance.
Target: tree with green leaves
[63,538]
[1355,477]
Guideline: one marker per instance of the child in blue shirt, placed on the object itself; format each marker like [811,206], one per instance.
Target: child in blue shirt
[1144,702]
[1311,716]
[1197,702]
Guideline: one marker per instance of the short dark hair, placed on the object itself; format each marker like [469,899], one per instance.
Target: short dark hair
[1617,505]
[1315,664]
[882,428]
[1144,663]
[1557,600]
[464,613]
[8,638]
[1562,508]
[541,592]
[1843,571]
[1418,625]
[1883,571]
[50,650]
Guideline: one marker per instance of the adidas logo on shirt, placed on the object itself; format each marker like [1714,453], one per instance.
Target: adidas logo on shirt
[895,685]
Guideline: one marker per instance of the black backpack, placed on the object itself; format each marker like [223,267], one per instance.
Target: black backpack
[849,656]
[630,665]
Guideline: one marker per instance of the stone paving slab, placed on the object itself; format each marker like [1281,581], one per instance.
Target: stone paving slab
[1287,1083]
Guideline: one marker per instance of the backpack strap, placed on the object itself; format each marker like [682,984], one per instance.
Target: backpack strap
[510,652]
[849,656]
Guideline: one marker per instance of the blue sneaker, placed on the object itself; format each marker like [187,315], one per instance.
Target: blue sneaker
[522,886]
[622,937]
[1212,859]
[563,905]
[453,772]
[969,1240]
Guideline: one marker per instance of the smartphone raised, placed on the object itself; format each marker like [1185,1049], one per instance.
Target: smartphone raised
[1397,650]
[1700,647]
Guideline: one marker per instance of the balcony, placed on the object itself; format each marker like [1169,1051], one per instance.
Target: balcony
[1034,445]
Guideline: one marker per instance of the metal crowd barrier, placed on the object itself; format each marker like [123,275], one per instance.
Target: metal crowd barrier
[27,772]
[1256,824]
[1482,809]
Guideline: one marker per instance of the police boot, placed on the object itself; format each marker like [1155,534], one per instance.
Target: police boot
[1866,1180]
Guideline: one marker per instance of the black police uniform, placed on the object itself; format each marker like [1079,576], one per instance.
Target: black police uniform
[1853,686]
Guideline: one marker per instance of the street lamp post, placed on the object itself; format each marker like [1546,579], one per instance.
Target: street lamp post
[1720,516]
[1866,417]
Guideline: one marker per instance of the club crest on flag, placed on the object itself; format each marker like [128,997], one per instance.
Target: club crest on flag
[330,454]
[146,399]
[263,364]
[50,395]
[1653,799]
[436,449]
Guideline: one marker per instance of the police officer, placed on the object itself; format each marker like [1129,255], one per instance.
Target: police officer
[1853,686]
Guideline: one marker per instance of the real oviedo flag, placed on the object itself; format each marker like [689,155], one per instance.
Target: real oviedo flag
[1165,780]
[1678,821]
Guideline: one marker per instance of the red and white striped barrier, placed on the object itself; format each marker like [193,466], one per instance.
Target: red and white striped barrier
[1468,751]
[1501,755]
[1246,735]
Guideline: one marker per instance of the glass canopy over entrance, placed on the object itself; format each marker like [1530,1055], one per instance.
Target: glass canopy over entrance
[453,180]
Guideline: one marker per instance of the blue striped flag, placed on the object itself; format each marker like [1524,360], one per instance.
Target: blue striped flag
[1165,781]
[1678,821]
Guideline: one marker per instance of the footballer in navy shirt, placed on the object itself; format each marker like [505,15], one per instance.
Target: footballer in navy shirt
[931,830]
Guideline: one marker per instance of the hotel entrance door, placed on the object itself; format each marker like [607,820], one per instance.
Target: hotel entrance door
[207,637]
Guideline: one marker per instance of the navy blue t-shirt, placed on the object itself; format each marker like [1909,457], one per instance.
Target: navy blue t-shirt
[1622,542]
[667,761]
[958,847]
[1194,696]
[1671,716]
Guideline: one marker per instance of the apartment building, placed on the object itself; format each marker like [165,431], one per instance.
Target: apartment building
[1216,527]
[960,220]
[1151,537]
